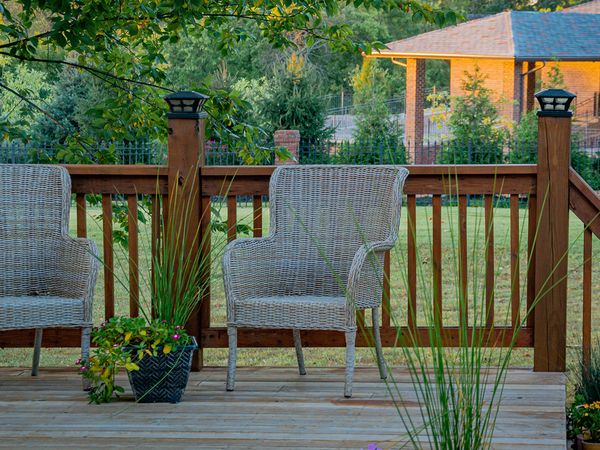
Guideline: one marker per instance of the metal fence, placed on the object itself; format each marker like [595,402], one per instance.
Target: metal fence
[585,153]
[139,152]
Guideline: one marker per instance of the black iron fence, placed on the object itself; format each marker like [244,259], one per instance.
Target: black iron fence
[585,153]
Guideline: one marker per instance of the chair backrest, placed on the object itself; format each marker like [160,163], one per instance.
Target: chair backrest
[34,214]
[321,215]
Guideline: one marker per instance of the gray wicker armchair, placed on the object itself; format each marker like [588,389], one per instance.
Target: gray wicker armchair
[323,258]
[47,279]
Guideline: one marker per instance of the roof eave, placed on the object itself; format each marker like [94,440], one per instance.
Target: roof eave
[587,58]
[424,55]
[433,55]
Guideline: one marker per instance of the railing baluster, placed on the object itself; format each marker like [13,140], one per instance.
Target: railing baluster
[489,260]
[155,233]
[412,261]
[134,285]
[257,215]
[81,215]
[231,217]
[437,259]
[587,296]
[531,232]
[386,294]
[107,238]
[515,292]
[205,237]
[463,275]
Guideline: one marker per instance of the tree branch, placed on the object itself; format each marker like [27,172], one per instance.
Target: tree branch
[86,68]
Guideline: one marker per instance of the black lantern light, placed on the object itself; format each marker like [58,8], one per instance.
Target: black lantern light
[185,105]
[555,102]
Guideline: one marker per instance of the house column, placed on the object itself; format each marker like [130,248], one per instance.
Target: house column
[415,102]
[529,87]
[513,89]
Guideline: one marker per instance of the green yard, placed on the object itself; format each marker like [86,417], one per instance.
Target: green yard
[326,357]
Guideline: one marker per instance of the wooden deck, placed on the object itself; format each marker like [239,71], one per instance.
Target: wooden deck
[271,408]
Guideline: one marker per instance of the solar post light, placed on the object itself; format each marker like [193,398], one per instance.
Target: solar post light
[555,102]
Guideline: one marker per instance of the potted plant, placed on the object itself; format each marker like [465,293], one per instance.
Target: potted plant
[155,348]
[584,422]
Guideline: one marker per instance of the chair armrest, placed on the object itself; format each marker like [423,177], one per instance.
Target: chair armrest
[249,269]
[365,278]
[76,270]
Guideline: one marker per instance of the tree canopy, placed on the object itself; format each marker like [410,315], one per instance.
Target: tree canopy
[124,45]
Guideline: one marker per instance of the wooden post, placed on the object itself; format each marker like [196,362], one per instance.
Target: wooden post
[186,124]
[551,261]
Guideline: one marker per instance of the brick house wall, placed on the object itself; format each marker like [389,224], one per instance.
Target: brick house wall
[581,78]
[503,78]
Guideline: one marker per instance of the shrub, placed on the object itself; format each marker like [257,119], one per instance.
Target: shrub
[376,151]
[294,103]
[524,140]
[476,135]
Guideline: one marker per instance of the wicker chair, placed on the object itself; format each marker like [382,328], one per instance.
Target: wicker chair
[323,258]
[46,278]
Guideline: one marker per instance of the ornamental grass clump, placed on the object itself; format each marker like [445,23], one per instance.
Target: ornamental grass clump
[458,389]
[172,283]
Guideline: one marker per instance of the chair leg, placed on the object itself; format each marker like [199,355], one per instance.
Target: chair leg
[299,354]
[378,349]
[350,342]
[232,332]
[37,348]
[85,354]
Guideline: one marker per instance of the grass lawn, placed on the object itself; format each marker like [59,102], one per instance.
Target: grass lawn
[326,357]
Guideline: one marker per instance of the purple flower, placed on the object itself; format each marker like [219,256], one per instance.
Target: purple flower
[178,327]
[83,368]
[78,362]
[176,336]
[164,321]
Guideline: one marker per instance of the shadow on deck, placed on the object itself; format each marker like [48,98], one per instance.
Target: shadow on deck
[271,408]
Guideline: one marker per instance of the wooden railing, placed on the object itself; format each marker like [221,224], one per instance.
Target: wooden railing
[519,185]
[585,203]
[514,181]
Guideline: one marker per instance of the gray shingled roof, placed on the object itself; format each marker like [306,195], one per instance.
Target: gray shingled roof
[522,35]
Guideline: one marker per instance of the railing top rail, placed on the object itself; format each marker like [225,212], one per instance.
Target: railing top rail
[584,202]
[416,169]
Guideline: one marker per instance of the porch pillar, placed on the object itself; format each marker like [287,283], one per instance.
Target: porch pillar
[186,124]
[551,246]
[415,103]
[529,87]
[513,89]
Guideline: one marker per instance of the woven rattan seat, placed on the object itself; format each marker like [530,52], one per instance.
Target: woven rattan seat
[323,259]
[47,278]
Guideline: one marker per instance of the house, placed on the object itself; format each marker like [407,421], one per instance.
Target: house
[515,49]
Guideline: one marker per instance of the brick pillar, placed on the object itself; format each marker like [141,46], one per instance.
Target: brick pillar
[513,89]
[415,102]
[289,139]
[529,88]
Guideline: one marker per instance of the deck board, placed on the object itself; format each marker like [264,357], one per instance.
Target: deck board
[271,408]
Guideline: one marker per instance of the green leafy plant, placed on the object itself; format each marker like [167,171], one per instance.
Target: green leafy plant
[584,420]
[122,342]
